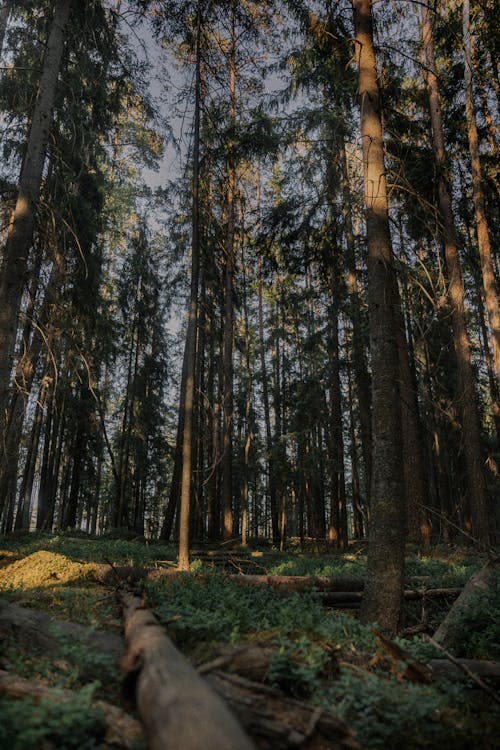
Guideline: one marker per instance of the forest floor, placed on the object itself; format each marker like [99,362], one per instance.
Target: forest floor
[312,653]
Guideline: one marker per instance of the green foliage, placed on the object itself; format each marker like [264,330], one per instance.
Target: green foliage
[214,608]
[457,572]
[298,666]
[85,659]
[305,566]
[77,724]
[117,551]
[390,715]
[204,606]
[211,607]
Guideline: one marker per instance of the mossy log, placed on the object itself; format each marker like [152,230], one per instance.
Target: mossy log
[458,669]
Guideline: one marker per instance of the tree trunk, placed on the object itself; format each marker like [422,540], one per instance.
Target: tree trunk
[33,629]
[13,272]
[187,438]
[337,531]
[359,515]
[267,412]
[382,601]
[481,582]
[471,433]
[5,10]
[483,238]
[361,374]
[227,440]
[415,483]
[485,106]
[178,709]
[249,438]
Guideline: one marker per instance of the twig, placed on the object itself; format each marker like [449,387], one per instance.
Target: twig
[219,663]
[464,669]
[118,576]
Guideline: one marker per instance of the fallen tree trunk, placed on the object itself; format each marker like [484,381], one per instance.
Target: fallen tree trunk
[302,583]
[177,708]
[279,723]
[37,630]
[352,599]
[481,581]
[121,729]
[455,671]
[115,574]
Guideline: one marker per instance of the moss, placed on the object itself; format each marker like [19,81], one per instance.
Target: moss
[42,569]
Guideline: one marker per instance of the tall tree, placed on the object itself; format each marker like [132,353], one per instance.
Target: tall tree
[467,397]
[383,593]
[228,416]
[483,239]
[22,222]
[190,374]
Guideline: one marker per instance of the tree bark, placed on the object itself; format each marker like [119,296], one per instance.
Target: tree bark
[278,722]
[187,438]
[361,375]
[415,480]
[227,440]
[382,601]
[178,709]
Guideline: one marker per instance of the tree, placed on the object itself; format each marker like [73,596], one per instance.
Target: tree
[22,222]
[382,597]
[187,437]
[471,436]
[483,240]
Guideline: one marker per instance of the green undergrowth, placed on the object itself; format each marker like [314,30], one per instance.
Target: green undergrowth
[327,657]
[85,549]
[212,607]
[77,724]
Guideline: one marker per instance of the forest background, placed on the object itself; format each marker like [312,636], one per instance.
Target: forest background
[336,211]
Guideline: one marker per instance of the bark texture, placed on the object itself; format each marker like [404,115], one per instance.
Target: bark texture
[177,708]
[383,593]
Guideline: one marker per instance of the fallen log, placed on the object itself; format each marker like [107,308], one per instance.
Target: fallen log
[121,729]
[250,661]
[279,723]
[459,669]
[302,583]
[352,599]
[37,630]
[177,707]
[111,574]
[481,581]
